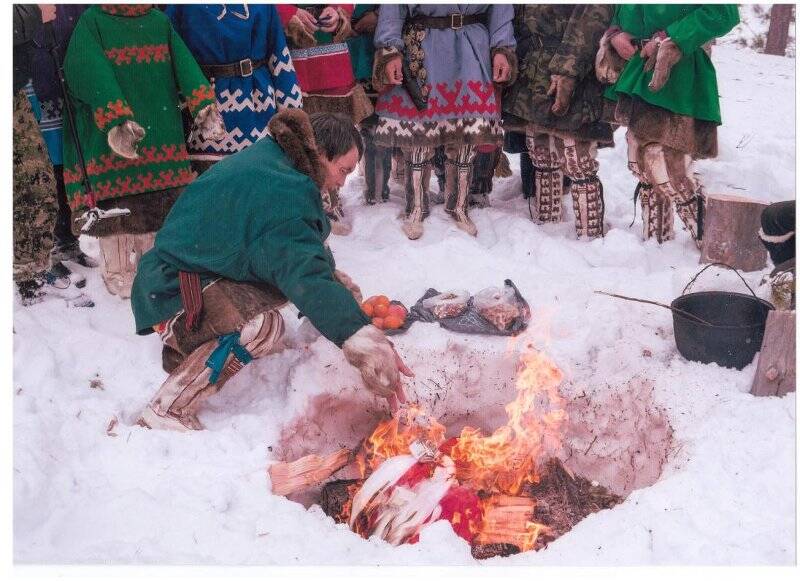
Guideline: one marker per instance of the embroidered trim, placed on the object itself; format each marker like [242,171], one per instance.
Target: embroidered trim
[111,112]
[200,94]
[125,55]
[126,9]
[320,50]
[445,102]
[134,185]
[112,162]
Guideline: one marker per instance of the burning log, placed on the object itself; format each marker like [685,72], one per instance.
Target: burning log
[290,477]
[507,524]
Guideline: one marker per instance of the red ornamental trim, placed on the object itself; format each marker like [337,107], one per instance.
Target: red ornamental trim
[200,94]
[113,110]
[485,103]
[125,55]
[112,162]
[126,9]
[141,183]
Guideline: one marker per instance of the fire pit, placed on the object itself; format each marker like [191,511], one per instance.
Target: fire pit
[505,490]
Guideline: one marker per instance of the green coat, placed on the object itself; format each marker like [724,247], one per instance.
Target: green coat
[252,217]
[692,86]
[559,39]
[123,67]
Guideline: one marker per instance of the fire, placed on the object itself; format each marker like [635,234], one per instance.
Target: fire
[507,459]
[394,437]
[498,463]
[497,466]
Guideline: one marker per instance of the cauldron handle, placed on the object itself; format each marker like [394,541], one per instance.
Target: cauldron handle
[691,282]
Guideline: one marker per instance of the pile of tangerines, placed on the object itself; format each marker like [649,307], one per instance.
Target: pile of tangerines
[384,313]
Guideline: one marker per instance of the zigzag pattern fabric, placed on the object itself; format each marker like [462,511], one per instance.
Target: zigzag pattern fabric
[246,103]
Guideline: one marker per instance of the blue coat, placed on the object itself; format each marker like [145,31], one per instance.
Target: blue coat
[462,99]
[247,104]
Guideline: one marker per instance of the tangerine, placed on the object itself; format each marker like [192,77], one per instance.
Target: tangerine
[393,322]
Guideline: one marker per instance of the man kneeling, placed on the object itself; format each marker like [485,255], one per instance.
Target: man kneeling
[242,240]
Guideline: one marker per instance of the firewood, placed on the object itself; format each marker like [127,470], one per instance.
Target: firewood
[290,477]
[731,232]
[507,520]
[775,374]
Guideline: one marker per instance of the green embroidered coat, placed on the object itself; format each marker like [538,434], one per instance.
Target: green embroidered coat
[128,63]
[692,86]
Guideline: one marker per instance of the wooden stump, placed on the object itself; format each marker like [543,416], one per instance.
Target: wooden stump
[730,233]
[775,374]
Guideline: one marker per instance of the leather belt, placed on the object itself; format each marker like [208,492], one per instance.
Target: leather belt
[454,21]
[243,68]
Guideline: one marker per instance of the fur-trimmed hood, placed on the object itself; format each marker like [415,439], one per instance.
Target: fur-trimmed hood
[291,129]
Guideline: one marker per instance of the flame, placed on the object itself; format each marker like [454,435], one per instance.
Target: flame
[507,459]
[393,437]
[501,463]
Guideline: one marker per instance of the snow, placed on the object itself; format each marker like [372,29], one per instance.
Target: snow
[725,496]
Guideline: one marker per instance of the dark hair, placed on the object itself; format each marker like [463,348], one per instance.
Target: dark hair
[335,135]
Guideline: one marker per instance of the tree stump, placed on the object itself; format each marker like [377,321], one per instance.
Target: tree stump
[730,234]
[775,374]
[780,18]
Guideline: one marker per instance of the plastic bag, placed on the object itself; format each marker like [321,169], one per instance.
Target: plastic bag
[498,304]
[448,304]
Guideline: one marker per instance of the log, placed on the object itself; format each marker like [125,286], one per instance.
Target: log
[508,520]
[780,18]
[337,498]
[308,471]
[730,233]
[775,373]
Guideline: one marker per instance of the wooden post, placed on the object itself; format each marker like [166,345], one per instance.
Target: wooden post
[775,374]
[731,232]
[780,17]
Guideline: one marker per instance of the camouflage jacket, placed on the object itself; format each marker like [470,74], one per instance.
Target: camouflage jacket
[558,39]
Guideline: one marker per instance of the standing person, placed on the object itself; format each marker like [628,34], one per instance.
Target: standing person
[667,96]
[34,188]
[244,239]
[558,102]
[455,53]
[125,66]
[377,159]
[242,50]
[317,35]
[48,91]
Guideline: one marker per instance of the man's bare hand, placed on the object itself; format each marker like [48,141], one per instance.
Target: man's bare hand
[501,70]
[394,71]
[329,19]
[308,21]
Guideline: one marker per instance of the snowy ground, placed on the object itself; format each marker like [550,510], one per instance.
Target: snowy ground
[727,495]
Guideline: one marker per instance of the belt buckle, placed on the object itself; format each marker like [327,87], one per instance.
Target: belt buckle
[246,67]
[453,17]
